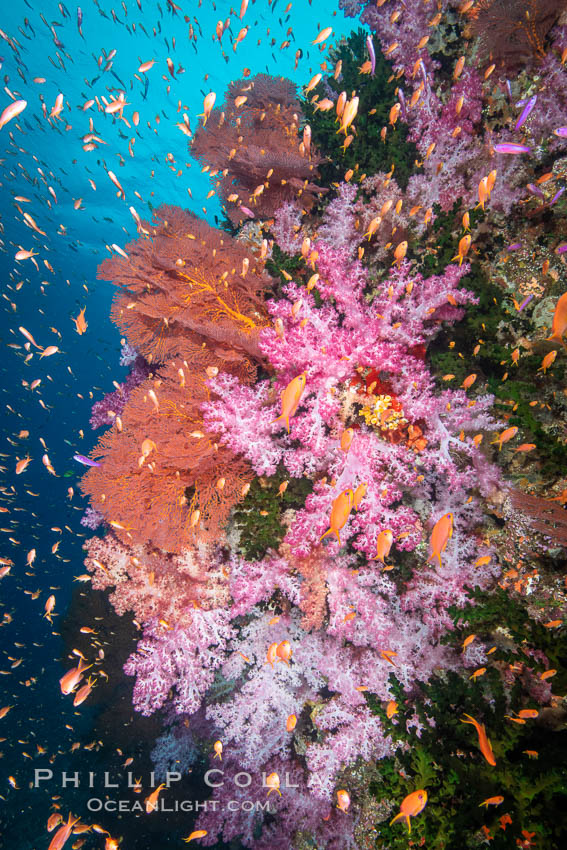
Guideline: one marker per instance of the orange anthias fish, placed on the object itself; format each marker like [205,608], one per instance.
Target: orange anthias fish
[63,833]
[504,437]
[559,323]
[483,740]
[198,833]
[80,322]
[492,801]
[291,397]
[411,806]
[464,245]
[71,679]
[340,512]
[151,800]
[440,536]
[383,545]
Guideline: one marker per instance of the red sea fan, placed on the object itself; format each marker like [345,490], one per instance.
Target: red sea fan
[186,285]
[513,31]
[547,517]
[257,148]
[163,480]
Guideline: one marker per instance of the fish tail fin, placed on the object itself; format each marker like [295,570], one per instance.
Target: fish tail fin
[433,556]
[556,337]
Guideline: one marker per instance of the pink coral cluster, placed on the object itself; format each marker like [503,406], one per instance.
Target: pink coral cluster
[212,617]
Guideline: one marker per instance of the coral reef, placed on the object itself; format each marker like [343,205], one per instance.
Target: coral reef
[332,501]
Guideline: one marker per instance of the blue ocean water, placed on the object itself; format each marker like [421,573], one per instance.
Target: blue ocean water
[70,197]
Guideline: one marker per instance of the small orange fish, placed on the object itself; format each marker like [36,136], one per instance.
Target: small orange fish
[411,806]
[492,801]
[528,713]
[340,513]
[291,723]
[80,322]
[481,562]
[505,437]
[469,381]
[22,464]
[480,672]
[273,783]
[84,692]
[383,545]
[463,249]
[197,833]
[284,651]
[391,709]
[400,252]
[151,801]
[468,640]
[547,361]
[346,439]
[63,833]
[71,679]
[271,655]
[291,397]
[483,740]
[559,323]
[343,800]
[323,35]
[440,536]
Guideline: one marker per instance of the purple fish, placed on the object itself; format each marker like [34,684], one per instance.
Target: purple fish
[509,147]
[80,20]
[247,212]
[86,461]
[515,246]
[556,196]
[562,248]
[561,132]
[525,111]
[525,303]
[402,99]
[370,46]
[509,89]
[423,74]
[535,190]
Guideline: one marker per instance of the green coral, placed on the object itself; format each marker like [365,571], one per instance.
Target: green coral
[259,516]
[486,324]
[377,95]
[444,758]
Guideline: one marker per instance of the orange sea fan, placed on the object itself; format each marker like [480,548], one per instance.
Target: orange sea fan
[257,149]
[547,517]
[185,286]
[164,481]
